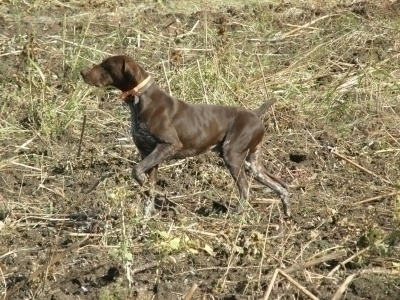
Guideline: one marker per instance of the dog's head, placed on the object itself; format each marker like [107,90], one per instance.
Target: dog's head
[119,71]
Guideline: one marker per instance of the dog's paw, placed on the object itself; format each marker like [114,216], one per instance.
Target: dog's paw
[149,207]
[139,177]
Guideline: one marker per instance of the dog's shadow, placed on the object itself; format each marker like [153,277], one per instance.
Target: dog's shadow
[166,206]
[216,208]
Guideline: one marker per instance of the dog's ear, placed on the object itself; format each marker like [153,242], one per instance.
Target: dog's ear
[129,71]
[132,72]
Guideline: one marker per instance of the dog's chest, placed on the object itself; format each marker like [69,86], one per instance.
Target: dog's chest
[142,137]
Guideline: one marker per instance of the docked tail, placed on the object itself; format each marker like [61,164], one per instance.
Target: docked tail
[263,108]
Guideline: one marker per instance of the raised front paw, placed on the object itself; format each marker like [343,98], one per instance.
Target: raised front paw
[139,176]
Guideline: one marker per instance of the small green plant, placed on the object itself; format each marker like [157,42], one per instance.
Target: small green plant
[167,243]
[117,199]
[122,252]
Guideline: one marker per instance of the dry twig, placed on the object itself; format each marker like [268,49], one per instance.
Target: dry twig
[375,198]
[81,138]
[362,168]
[340,291]
[298,285]
[347,260]
[290,33]
[314,262]
[292,281]
[96,183]
[271,284]
[190,293]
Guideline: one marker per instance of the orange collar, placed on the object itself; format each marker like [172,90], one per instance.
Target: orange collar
[139,89]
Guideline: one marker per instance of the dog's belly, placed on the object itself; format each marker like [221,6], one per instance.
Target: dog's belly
[193,152]
[146,142]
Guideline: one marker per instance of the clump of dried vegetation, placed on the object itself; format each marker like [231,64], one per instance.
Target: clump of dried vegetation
[71,221]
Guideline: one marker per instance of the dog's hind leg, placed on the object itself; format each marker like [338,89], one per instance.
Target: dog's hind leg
[257,169]
[235,164]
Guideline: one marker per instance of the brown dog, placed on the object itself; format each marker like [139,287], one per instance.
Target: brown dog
[164,127]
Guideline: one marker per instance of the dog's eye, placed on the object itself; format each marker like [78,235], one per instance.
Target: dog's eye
[104,65]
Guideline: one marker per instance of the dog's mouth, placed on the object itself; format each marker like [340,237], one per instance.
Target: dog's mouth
[91,80]
[92,83]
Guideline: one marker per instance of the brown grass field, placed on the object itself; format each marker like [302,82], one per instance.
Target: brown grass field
[333,135]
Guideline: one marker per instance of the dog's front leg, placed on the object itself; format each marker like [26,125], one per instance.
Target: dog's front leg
[160,153]
[149,165]
[149,207]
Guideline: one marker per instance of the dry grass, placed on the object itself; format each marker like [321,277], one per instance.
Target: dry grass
[334,69]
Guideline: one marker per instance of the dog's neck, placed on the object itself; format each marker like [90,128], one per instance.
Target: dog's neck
[137,90]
